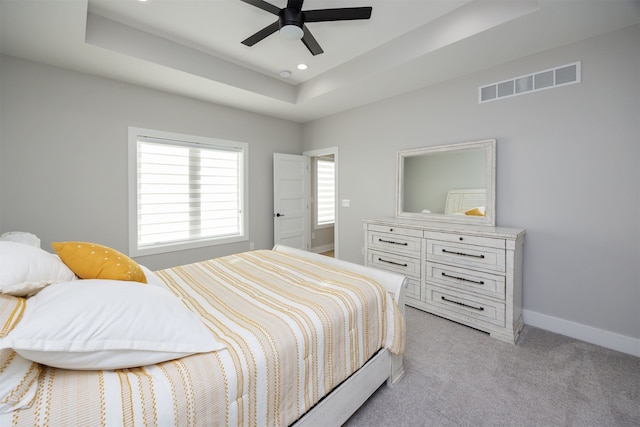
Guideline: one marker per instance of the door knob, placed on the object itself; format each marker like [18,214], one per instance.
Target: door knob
[279,215]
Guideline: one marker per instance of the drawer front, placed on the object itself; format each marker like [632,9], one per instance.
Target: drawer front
[395,243]
[491,285]
[413,289]
[463,307]
[409,267]
[469,240]
[466,255]
[390,229]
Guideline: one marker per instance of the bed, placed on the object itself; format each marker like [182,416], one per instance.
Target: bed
[292,338]
[466,202]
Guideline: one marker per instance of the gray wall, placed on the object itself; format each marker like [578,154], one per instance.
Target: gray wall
[567,171]
[567,165]
[63,139]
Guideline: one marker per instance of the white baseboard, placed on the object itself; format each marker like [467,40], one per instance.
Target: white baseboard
[322,248]
[582,332]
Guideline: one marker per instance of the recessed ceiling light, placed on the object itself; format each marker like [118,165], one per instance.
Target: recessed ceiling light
[302,66]
[285,74]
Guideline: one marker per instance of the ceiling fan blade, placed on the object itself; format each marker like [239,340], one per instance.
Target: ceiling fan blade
[344,14]
[261,4]
[310,42]
[263,33]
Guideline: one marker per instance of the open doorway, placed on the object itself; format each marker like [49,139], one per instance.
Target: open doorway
[324,212]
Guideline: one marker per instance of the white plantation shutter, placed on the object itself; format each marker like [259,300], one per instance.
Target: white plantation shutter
[186,193]
[325,192]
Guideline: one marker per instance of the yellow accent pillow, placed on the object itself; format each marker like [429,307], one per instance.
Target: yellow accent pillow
[474,212]
[93,261]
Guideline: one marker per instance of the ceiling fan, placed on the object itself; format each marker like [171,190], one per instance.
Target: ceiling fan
[291,21]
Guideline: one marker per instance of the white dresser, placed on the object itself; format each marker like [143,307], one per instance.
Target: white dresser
[471,274]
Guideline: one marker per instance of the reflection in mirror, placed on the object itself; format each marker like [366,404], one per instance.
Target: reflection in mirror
[454,183]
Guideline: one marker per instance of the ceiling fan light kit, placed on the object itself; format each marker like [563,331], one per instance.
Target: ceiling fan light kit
[291,32]
[291,21]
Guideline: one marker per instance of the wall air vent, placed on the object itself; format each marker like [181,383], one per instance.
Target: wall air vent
[541,80]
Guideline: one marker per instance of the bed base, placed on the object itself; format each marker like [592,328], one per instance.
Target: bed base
[336,408]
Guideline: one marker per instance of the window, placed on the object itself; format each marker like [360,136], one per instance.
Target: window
[185,191]
[325,192]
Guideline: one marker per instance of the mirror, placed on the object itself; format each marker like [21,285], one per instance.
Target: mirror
[451,183]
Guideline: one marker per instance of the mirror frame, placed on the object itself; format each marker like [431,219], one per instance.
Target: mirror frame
[489,145]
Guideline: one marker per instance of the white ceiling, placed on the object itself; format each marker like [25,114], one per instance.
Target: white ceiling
[193,47]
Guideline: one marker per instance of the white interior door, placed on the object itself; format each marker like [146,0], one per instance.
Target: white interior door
[291,190]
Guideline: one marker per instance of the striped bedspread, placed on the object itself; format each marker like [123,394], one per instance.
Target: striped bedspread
[294,330]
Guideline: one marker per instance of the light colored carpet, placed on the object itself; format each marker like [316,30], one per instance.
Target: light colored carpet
[457,376]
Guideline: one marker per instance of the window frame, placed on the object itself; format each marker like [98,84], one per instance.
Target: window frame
[180,139]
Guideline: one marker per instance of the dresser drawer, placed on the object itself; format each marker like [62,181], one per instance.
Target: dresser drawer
[491,285]
[463,306]
[466,239]
[396,243]
[413,289]
[390,229]
[466,255]
[409,267]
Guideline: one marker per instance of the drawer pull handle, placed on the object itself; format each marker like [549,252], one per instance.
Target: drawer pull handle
[463,304]
[463,254]
[392,262]
[391,241]
[464,279]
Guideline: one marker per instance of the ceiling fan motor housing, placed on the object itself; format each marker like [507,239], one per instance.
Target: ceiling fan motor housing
[291,16]
[291,21]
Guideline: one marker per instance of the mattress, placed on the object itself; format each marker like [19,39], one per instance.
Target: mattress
[294,329]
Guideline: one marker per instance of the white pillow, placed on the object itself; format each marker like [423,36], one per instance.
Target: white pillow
[107,324]
[21,237]
[26,269]
[152,278]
